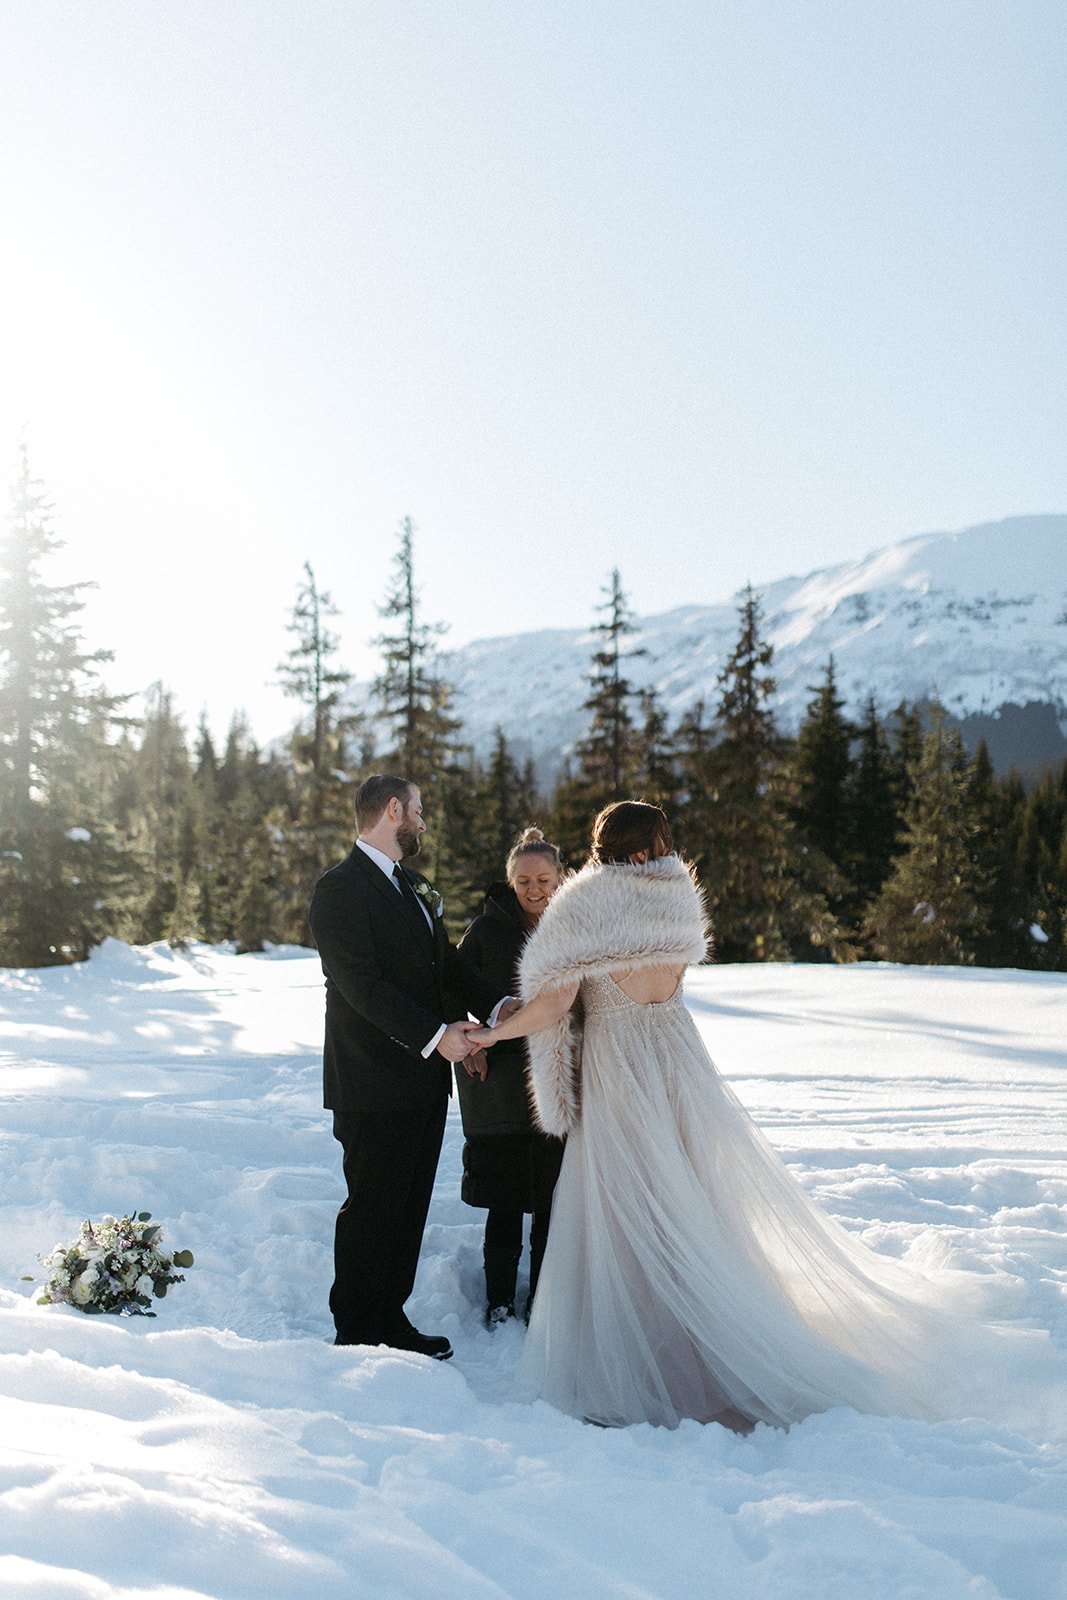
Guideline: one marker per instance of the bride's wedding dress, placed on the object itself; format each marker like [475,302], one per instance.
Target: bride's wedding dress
[688,1275]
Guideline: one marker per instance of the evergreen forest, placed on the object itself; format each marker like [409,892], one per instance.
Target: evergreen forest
[877,838]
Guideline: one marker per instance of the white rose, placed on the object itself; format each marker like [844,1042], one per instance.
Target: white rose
[144,1285]
[81,1291]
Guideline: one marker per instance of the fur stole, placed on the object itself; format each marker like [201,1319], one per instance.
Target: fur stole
[605,919]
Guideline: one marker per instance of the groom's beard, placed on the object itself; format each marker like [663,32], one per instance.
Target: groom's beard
[407,841]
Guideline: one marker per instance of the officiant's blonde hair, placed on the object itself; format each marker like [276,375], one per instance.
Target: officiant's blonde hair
[532,842]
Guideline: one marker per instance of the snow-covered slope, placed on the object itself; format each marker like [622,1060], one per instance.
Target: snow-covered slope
[229,1451]
[977,617]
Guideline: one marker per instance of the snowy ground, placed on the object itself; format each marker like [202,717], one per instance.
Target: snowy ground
[227,1449]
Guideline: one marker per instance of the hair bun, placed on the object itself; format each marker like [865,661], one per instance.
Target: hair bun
[530,836]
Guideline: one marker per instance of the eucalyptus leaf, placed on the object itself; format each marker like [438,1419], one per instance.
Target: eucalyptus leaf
[183,1258]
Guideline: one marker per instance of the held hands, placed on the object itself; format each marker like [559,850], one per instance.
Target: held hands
[455,1044]
[461,1039]
[480,1038]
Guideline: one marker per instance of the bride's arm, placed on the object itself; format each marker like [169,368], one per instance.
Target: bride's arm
[539,1013]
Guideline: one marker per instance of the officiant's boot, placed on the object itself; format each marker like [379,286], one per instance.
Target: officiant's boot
[501,1271]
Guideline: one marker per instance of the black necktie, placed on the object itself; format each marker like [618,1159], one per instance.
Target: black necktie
[403,883]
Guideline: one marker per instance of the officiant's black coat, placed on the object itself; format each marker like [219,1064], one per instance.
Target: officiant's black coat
[391,981]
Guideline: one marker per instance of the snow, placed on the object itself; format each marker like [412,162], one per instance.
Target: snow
[976,617]
[227,1449]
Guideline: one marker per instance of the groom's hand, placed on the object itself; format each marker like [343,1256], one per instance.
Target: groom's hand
[453,1043]
[508,1009]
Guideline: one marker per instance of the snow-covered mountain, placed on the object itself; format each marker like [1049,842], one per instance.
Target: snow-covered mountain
[977,617]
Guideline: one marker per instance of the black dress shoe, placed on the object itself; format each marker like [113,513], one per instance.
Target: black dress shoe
[422,1344]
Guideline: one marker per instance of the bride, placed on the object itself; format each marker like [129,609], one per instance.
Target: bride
[687,1274]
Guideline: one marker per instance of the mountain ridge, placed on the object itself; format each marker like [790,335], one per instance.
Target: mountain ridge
[976,617]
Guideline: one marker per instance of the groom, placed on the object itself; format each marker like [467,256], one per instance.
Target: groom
[397,1000]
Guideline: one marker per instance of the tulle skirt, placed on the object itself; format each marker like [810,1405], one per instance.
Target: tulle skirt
[687,1273]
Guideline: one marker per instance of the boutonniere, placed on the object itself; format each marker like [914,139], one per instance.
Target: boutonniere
[429,897]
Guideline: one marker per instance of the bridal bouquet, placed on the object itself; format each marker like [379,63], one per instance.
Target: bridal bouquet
[116,1264]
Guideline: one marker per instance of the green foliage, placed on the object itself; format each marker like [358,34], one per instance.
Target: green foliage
[928,910]
[63,875]
[765,902]
[607,763]
[821,768]
[414,700]
[872,814]
[880,839]
[115,1265]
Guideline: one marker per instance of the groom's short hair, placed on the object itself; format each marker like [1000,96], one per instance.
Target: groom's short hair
[374,794]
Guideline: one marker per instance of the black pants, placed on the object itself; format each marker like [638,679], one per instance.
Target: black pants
[390,1161]
[503,1247]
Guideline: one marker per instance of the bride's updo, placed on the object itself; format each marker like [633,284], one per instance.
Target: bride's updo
[626,828]
[532,842]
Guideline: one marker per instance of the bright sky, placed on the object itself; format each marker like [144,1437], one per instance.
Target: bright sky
[710,291]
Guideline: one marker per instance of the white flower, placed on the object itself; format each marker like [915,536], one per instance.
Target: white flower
[144,1285]
[82,1290]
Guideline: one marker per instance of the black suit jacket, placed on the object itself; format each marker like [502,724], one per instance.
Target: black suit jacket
[390,983]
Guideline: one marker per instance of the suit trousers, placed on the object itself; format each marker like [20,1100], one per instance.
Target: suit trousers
[390,1161]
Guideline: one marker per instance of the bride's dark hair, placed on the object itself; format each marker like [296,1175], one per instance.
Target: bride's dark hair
[624,829]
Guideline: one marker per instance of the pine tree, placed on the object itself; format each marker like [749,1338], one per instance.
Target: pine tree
[928,909]
[508,802]
[254,800]
[414,698]
[819,770]
[763,909]
[606,764]
[607,754]
[1041,836]
[421,736]
[1002,938]
[907,745]
[317,824]
[655,763]
[154,813]
[63,879]
[822,767]
[310,675]
[208,819]
[571,814]
[694,746]
[872,817]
